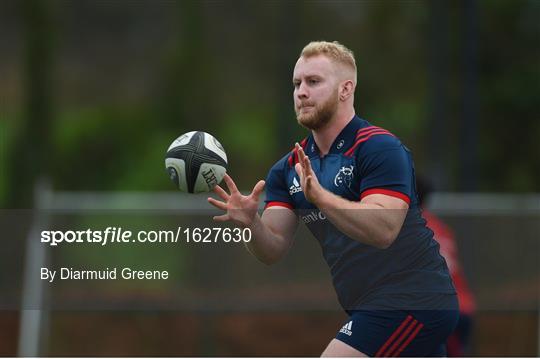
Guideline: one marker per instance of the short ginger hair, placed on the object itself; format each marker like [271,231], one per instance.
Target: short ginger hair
[335,51]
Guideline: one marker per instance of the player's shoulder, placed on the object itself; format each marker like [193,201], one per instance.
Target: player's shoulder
[372,139]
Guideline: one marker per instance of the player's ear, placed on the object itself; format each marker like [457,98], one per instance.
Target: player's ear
[346,89]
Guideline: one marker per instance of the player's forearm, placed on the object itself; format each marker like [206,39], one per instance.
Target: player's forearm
[265,245]
[367,223]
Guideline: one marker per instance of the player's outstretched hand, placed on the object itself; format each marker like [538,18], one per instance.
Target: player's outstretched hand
[308,180]
[239,209]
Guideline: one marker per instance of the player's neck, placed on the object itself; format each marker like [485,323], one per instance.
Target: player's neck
[324,137]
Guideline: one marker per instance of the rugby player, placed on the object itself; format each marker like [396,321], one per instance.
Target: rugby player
[353,183]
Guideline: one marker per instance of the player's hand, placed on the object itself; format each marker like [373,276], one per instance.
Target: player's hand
[308,180]
[239,209]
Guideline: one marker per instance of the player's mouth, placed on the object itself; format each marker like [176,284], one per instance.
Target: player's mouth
[306,107]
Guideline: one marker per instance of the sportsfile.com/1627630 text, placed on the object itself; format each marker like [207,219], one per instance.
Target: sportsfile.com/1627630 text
[118,235]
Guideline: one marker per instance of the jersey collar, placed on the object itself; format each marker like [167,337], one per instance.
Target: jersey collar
[342,142]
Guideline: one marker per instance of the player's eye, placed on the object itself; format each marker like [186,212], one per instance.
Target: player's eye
[296,84]
[313,81]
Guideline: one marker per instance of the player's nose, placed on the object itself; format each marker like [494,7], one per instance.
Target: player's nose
[302,92]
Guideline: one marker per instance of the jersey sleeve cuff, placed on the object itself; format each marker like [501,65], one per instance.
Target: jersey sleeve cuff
[386,192]
[278,204]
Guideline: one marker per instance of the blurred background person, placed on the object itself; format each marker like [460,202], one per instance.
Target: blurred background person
[459,340]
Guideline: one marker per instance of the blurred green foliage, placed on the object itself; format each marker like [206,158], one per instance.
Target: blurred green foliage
[125,79]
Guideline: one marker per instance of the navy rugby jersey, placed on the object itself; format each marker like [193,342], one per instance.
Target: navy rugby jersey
[364,160]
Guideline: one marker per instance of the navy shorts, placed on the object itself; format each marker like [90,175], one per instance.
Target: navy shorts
[388,333]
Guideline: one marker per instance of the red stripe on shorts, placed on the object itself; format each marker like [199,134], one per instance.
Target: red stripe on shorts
[411,337]
[401,338]
[393,336]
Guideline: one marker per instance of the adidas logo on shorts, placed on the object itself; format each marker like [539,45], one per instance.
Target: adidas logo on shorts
[347,329]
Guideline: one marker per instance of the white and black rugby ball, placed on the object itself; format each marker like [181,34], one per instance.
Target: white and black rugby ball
[196,162]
